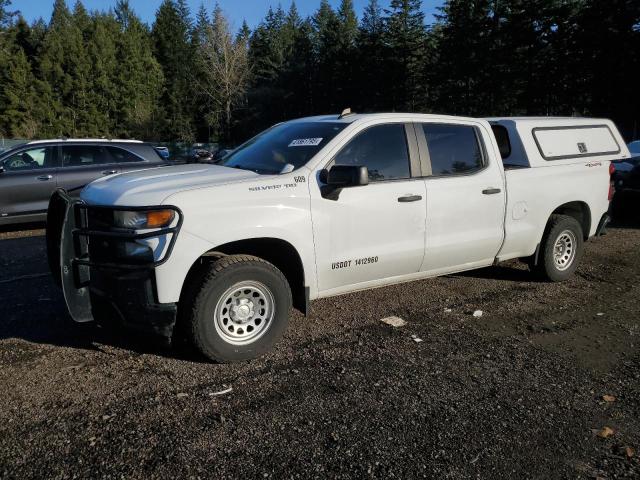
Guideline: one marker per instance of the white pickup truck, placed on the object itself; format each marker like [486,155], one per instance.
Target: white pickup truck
[323,206]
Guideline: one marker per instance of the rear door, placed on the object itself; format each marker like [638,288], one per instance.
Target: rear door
[28,180]
[465,197]
[84,163]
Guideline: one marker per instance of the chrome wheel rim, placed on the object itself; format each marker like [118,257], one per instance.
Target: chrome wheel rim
[244,313]
[564,250]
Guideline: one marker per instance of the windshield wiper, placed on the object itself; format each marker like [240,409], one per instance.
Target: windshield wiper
[259,171]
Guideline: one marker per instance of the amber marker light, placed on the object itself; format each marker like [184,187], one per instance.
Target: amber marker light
[159,218]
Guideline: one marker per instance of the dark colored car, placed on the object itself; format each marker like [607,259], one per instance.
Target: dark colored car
[626,180]
[163,152]
[29,173]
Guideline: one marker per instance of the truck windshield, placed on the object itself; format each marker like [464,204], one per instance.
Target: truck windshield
[282,148]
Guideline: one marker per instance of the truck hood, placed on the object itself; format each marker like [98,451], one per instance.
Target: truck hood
[152,186]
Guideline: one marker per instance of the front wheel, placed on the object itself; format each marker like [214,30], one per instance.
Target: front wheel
[560,250]
[240,309]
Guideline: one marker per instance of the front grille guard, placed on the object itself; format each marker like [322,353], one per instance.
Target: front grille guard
[69,236]
[68,240]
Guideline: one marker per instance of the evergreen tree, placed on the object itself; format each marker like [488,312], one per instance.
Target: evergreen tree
[606,61]
[61,43]
[103,96]
[200,27]
[101,74]
[82,110]
[198,37]
[524,36]
[267,57]
[173,52]
[345,56]
[6,15]
[268,46]
[138,79]
[297,78]
[326,39]
[244,34]
[463,61]
[371,57]
[29,38]
[405,37]
[18,101]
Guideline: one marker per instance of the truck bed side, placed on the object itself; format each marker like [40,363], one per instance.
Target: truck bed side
[540,183]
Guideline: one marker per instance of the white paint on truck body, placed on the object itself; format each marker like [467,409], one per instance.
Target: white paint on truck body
[367,238]
[534,193]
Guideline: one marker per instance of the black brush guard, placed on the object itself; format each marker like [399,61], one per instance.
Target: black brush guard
[125,287]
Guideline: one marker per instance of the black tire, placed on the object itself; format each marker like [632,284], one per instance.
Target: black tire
[209,335]
[549,268]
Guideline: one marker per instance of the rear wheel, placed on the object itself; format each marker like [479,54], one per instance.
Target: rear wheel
[560,250]
[240,309]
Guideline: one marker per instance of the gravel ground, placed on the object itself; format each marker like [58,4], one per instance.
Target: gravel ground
[516,393]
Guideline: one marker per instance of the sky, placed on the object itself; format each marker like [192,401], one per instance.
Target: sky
[237,10]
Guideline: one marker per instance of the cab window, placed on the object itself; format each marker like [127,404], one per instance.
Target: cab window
[453,149]
[31,159]
[84,155]
[120,155]
[382,149]
[502,138]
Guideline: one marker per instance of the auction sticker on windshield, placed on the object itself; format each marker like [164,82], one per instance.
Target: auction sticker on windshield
[305,142]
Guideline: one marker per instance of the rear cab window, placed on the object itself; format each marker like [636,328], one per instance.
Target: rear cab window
[511,149]
[453,149]
[502,137]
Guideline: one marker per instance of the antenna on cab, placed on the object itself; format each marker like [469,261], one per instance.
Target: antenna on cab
[346,112]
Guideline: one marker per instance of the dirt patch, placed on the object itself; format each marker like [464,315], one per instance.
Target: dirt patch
[516,393]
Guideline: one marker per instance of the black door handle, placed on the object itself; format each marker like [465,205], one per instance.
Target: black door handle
[410,198]
[491,191]
[109,172]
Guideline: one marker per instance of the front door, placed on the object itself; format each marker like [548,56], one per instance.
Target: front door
[372,232]
[27,181]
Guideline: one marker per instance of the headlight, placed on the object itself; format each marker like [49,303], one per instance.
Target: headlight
[136,251]
[142,220]
[130,235]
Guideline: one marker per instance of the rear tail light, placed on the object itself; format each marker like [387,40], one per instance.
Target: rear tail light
[612,188]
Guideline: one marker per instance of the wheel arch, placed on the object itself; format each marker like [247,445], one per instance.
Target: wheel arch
[578,210]
[282,254]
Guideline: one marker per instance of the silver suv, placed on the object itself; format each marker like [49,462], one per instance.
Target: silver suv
[30,173]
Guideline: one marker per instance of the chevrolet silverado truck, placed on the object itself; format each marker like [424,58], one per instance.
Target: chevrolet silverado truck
[322,206]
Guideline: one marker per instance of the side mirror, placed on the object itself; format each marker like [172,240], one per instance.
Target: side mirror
[342,176]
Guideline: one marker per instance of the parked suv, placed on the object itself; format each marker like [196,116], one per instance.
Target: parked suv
[30,173]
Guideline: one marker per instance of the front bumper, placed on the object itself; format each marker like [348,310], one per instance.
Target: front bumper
[102,287]
[130,298]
